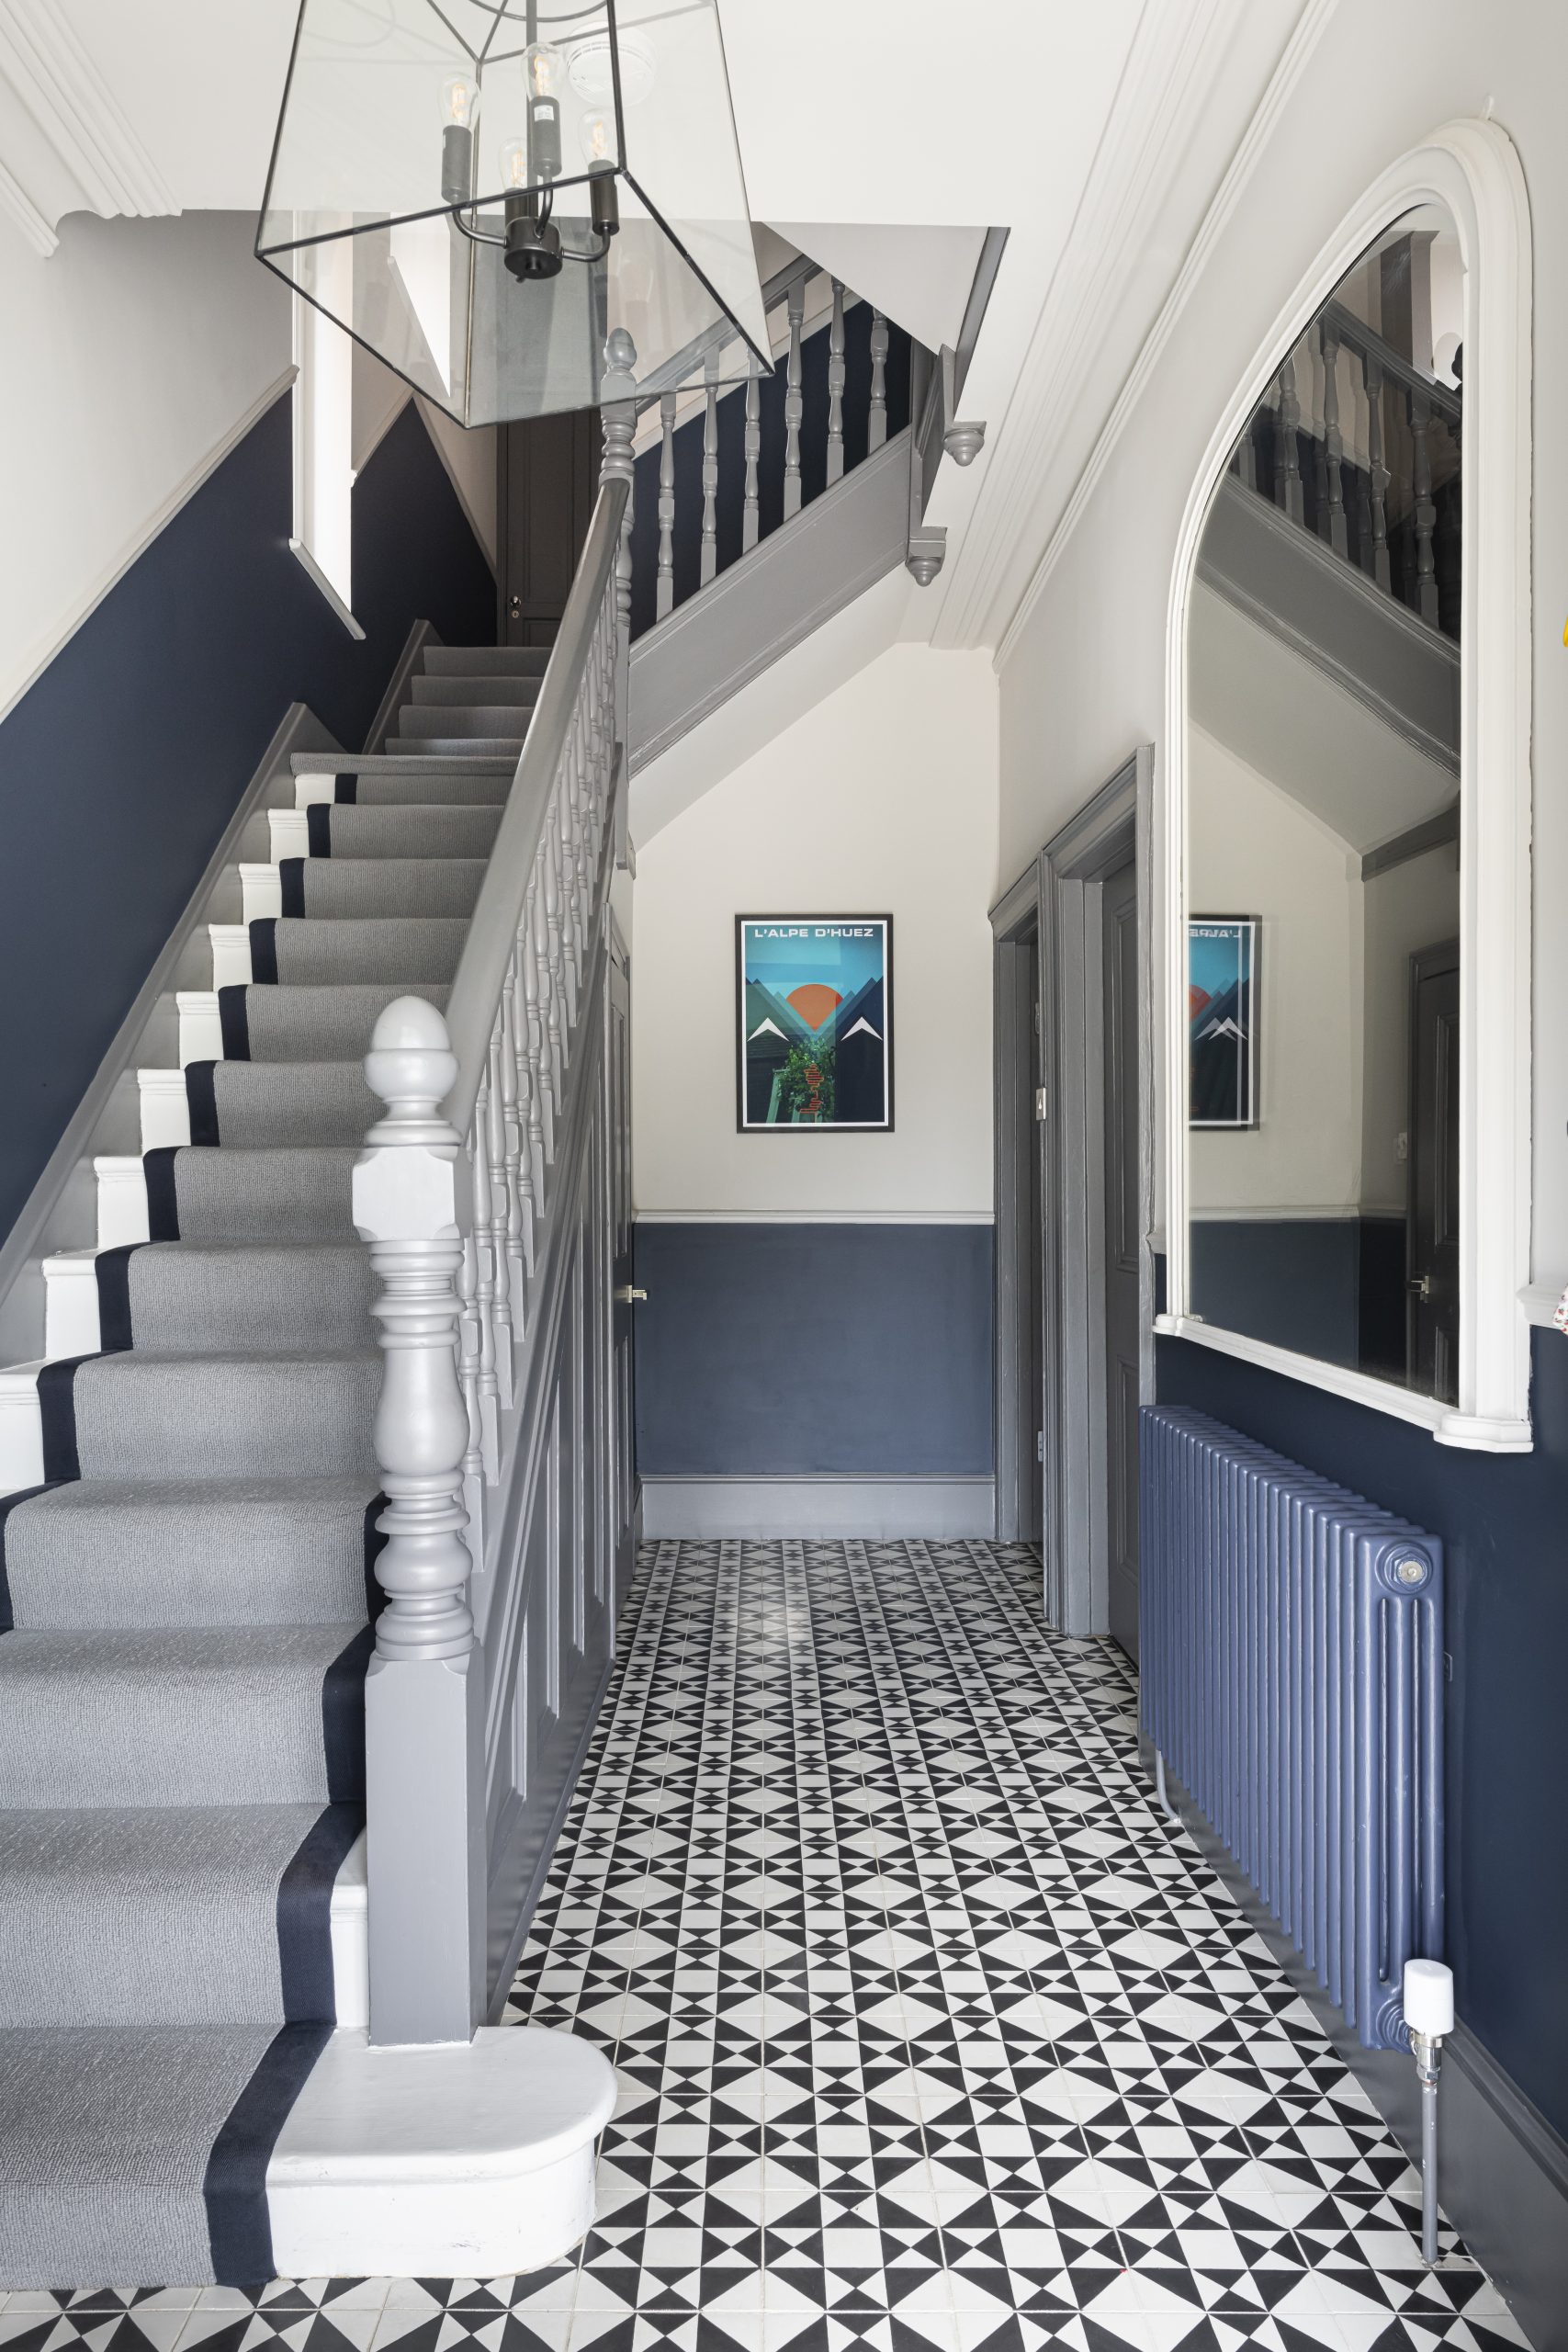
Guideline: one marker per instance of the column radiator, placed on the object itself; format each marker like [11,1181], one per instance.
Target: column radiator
[1293,1680]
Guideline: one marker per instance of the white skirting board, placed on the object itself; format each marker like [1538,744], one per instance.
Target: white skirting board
[819,1507]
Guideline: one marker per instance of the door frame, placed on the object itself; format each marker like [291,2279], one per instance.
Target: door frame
[1016,1076]
[1062,886]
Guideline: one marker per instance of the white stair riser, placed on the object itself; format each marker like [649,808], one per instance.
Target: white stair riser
[71,1304]
[201,1030]
[21,1429]
[350,1942]
[165,1113]
[231,955]
[310,791]
[122,1202]
[290,832]
[261,891]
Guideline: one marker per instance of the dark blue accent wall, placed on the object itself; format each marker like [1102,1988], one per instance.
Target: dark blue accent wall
[798,1349]
[1330,1287]
[121,765]
[1504,1522]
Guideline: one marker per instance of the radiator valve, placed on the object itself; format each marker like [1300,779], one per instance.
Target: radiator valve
[1430,2015]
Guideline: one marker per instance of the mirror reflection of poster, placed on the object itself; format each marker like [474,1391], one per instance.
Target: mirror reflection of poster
[814,1021]
[1221,1012]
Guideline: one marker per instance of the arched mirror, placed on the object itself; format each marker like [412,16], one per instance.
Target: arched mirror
[1323,807]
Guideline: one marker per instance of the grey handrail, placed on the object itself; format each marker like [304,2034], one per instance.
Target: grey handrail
[493,933]
[1356,335]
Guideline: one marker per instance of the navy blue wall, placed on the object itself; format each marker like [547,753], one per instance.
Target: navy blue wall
[120,768]
[1504,1522]
[781,1349]
[1330,1287]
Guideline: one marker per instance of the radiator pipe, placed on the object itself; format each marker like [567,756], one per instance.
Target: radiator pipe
[1162,1793]
[1429,2014]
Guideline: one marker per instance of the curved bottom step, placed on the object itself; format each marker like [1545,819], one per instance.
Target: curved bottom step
[465,2160]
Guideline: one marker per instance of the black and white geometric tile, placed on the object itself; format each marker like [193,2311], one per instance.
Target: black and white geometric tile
[932,2034]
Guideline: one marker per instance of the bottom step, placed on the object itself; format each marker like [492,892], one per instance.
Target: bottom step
[462,2161]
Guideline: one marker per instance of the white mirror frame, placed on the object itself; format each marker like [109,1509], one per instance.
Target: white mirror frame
[1472,169]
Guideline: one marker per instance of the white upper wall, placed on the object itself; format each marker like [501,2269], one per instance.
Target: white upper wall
[1084,679]
[882,799]
[134,353]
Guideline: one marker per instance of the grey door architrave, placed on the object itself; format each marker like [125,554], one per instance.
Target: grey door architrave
[1060,893]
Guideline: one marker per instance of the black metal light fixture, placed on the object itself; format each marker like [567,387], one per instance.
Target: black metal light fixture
[482,191]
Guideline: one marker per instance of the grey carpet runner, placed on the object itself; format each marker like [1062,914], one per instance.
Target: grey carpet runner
[186,1602]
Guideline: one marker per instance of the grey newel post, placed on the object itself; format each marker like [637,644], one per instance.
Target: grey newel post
[617,397]
[425,1691]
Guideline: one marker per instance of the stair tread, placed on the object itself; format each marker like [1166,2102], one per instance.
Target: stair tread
[491,660]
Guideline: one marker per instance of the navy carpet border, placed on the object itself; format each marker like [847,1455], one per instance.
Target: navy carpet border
[57,1411]
[7,1505]
[239,2226]
[375,1544]
[112,1268]
[264,952]
[201,1100]
[304,1916]
[234,1022]
[291,886]
[343,1720]
[318,827]
[345,787]
[162,1200]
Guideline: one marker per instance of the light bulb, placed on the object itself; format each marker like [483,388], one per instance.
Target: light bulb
[597,136]
[593,70]
[460,103]
[514,166]
[544,69]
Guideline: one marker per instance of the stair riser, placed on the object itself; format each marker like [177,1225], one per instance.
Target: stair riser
[215,1309]
[220,1419]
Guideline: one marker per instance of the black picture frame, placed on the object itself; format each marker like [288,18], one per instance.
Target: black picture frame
[871,999]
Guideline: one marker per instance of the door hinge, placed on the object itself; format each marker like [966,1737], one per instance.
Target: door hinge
[1040,1103]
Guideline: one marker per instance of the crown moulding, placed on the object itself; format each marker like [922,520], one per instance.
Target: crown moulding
[107,169]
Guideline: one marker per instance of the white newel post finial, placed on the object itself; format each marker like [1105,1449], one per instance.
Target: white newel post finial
[423,1699]
[617,395]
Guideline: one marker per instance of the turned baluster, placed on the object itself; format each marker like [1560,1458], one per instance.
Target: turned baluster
[522,1114]
[876,432]
[468,1351]
[619,396]
[665,599]
[492,1142]
[1245,457]
[836,386]
[484,1285]
[1287,471]
[795,404]
[1377,476]
[566,853]
[549,1096]
[541,1113]
[710,469]
[1424,509]
[554,982]
[1333,443]
[751,519]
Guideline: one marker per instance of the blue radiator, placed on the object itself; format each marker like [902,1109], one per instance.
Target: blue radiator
[1292,1674]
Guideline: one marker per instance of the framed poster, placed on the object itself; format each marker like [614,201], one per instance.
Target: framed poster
[1221,1013]
[814,1021]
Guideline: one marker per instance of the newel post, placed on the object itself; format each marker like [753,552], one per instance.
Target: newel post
[424,1690]
[617,395]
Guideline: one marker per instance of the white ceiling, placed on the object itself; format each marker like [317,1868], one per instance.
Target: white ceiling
[877,135]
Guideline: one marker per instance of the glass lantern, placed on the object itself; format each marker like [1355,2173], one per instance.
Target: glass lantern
[482,191]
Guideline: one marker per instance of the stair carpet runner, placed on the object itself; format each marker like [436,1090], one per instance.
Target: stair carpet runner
[184,1603]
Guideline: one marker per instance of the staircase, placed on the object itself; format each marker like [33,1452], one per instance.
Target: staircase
[188,1495]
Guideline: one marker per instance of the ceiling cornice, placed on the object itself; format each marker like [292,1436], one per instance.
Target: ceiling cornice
[17,205]
[73,106]
[1174,58]
[1293,63]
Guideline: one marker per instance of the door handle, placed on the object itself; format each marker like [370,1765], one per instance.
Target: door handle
[1419,1286]
[626,1294]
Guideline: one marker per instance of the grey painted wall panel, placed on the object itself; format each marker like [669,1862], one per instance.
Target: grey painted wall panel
[797,1349]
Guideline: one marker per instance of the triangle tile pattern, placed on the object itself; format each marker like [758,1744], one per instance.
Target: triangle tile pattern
[931,2034]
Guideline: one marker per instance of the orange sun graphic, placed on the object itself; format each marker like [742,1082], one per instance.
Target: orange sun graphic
[814,1001]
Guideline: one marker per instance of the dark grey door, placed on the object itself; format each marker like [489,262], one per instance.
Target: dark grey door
[1119,914]
[618,1076]
[548,478]
[1432,1294]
